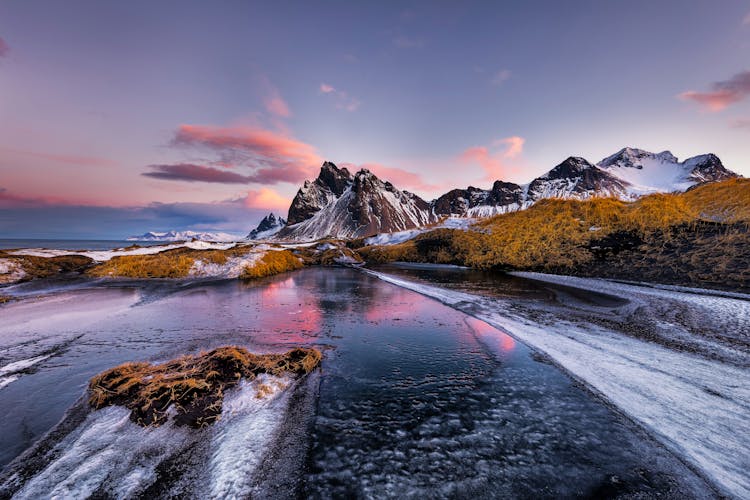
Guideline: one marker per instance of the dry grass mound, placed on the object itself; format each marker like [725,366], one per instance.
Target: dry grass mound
[44,267]
[273,262]
[194,386]
[175,263]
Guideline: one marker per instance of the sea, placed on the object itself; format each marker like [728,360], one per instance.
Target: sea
[12,243]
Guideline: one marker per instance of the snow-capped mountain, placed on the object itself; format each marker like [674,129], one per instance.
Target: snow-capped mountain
[269,226]
[183,236]
[627,174]
[341,205]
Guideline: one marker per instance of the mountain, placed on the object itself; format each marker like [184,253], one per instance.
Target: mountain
[183,236]
[269,226]
[343,205]
[627,174]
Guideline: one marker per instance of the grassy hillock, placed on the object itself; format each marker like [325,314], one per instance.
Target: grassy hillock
[699,237]
[273,262]
[193,385]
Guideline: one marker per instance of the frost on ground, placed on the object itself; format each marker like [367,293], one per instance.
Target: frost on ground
[105,255]
[696,406]
[10,271]
[108,455]
[232,268]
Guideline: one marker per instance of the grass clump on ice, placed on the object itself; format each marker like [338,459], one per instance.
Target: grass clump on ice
[273,262]
[193,386]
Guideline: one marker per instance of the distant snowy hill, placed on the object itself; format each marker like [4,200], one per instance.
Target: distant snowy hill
[269,226]
[184,236]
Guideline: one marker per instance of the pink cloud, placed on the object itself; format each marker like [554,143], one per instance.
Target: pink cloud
[4,48]
[740,123]
[274,156]
[500,77]
[407,42]
[402,179]
[267,199]
[275,104]
[746,20]
[342,100]
[496,160]
[722,94]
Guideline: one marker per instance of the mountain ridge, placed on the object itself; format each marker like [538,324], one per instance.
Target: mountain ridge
[341,204]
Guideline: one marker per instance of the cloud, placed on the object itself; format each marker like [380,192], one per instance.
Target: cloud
[76,160]
[276,105]
[266,199]
[402,179]
[406,42]
[195,173]
[740,123]
[746,20]
[500,77]
[273,156]
[722,94]
[22,217]
[496,160]
[4,48]
[342,100]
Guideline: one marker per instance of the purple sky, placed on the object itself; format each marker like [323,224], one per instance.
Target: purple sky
[122,117]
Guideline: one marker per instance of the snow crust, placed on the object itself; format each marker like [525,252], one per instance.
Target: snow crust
[10,271]
[109,453]
[105,255]
[10,372]
[697,407]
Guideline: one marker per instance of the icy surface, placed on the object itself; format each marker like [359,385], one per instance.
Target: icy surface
[108,454]
[697,407]
[105,255]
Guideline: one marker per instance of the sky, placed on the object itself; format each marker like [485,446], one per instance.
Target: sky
[118,118]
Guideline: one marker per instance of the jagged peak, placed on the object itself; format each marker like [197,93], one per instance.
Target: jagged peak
[630,157]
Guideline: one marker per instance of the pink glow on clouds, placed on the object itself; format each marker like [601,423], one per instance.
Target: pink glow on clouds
[342,100]
[4,48]
[76,160]
[276,156]
[722,94]
[497,160]
[276,105]
[266,198]
[402,179]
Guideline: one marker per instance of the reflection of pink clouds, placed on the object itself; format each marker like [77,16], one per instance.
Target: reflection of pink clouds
[297,324]
[491,335]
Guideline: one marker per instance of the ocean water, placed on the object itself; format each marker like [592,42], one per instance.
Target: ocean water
[72,244]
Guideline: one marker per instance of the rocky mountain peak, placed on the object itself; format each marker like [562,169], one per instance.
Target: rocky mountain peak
[268,226]
[334,178]
[635,158]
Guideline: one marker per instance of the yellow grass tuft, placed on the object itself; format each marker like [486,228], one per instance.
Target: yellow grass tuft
[193,385]
[272,262]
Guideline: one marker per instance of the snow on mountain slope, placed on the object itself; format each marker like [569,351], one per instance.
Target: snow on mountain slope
[365,206]
[184,236]
[268,227]
[627,174]
[645,173]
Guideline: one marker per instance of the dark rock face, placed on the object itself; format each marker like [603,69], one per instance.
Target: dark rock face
[708,168]
[460,201]
[313,196]
[269,223]
[340,205]
[574,178]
